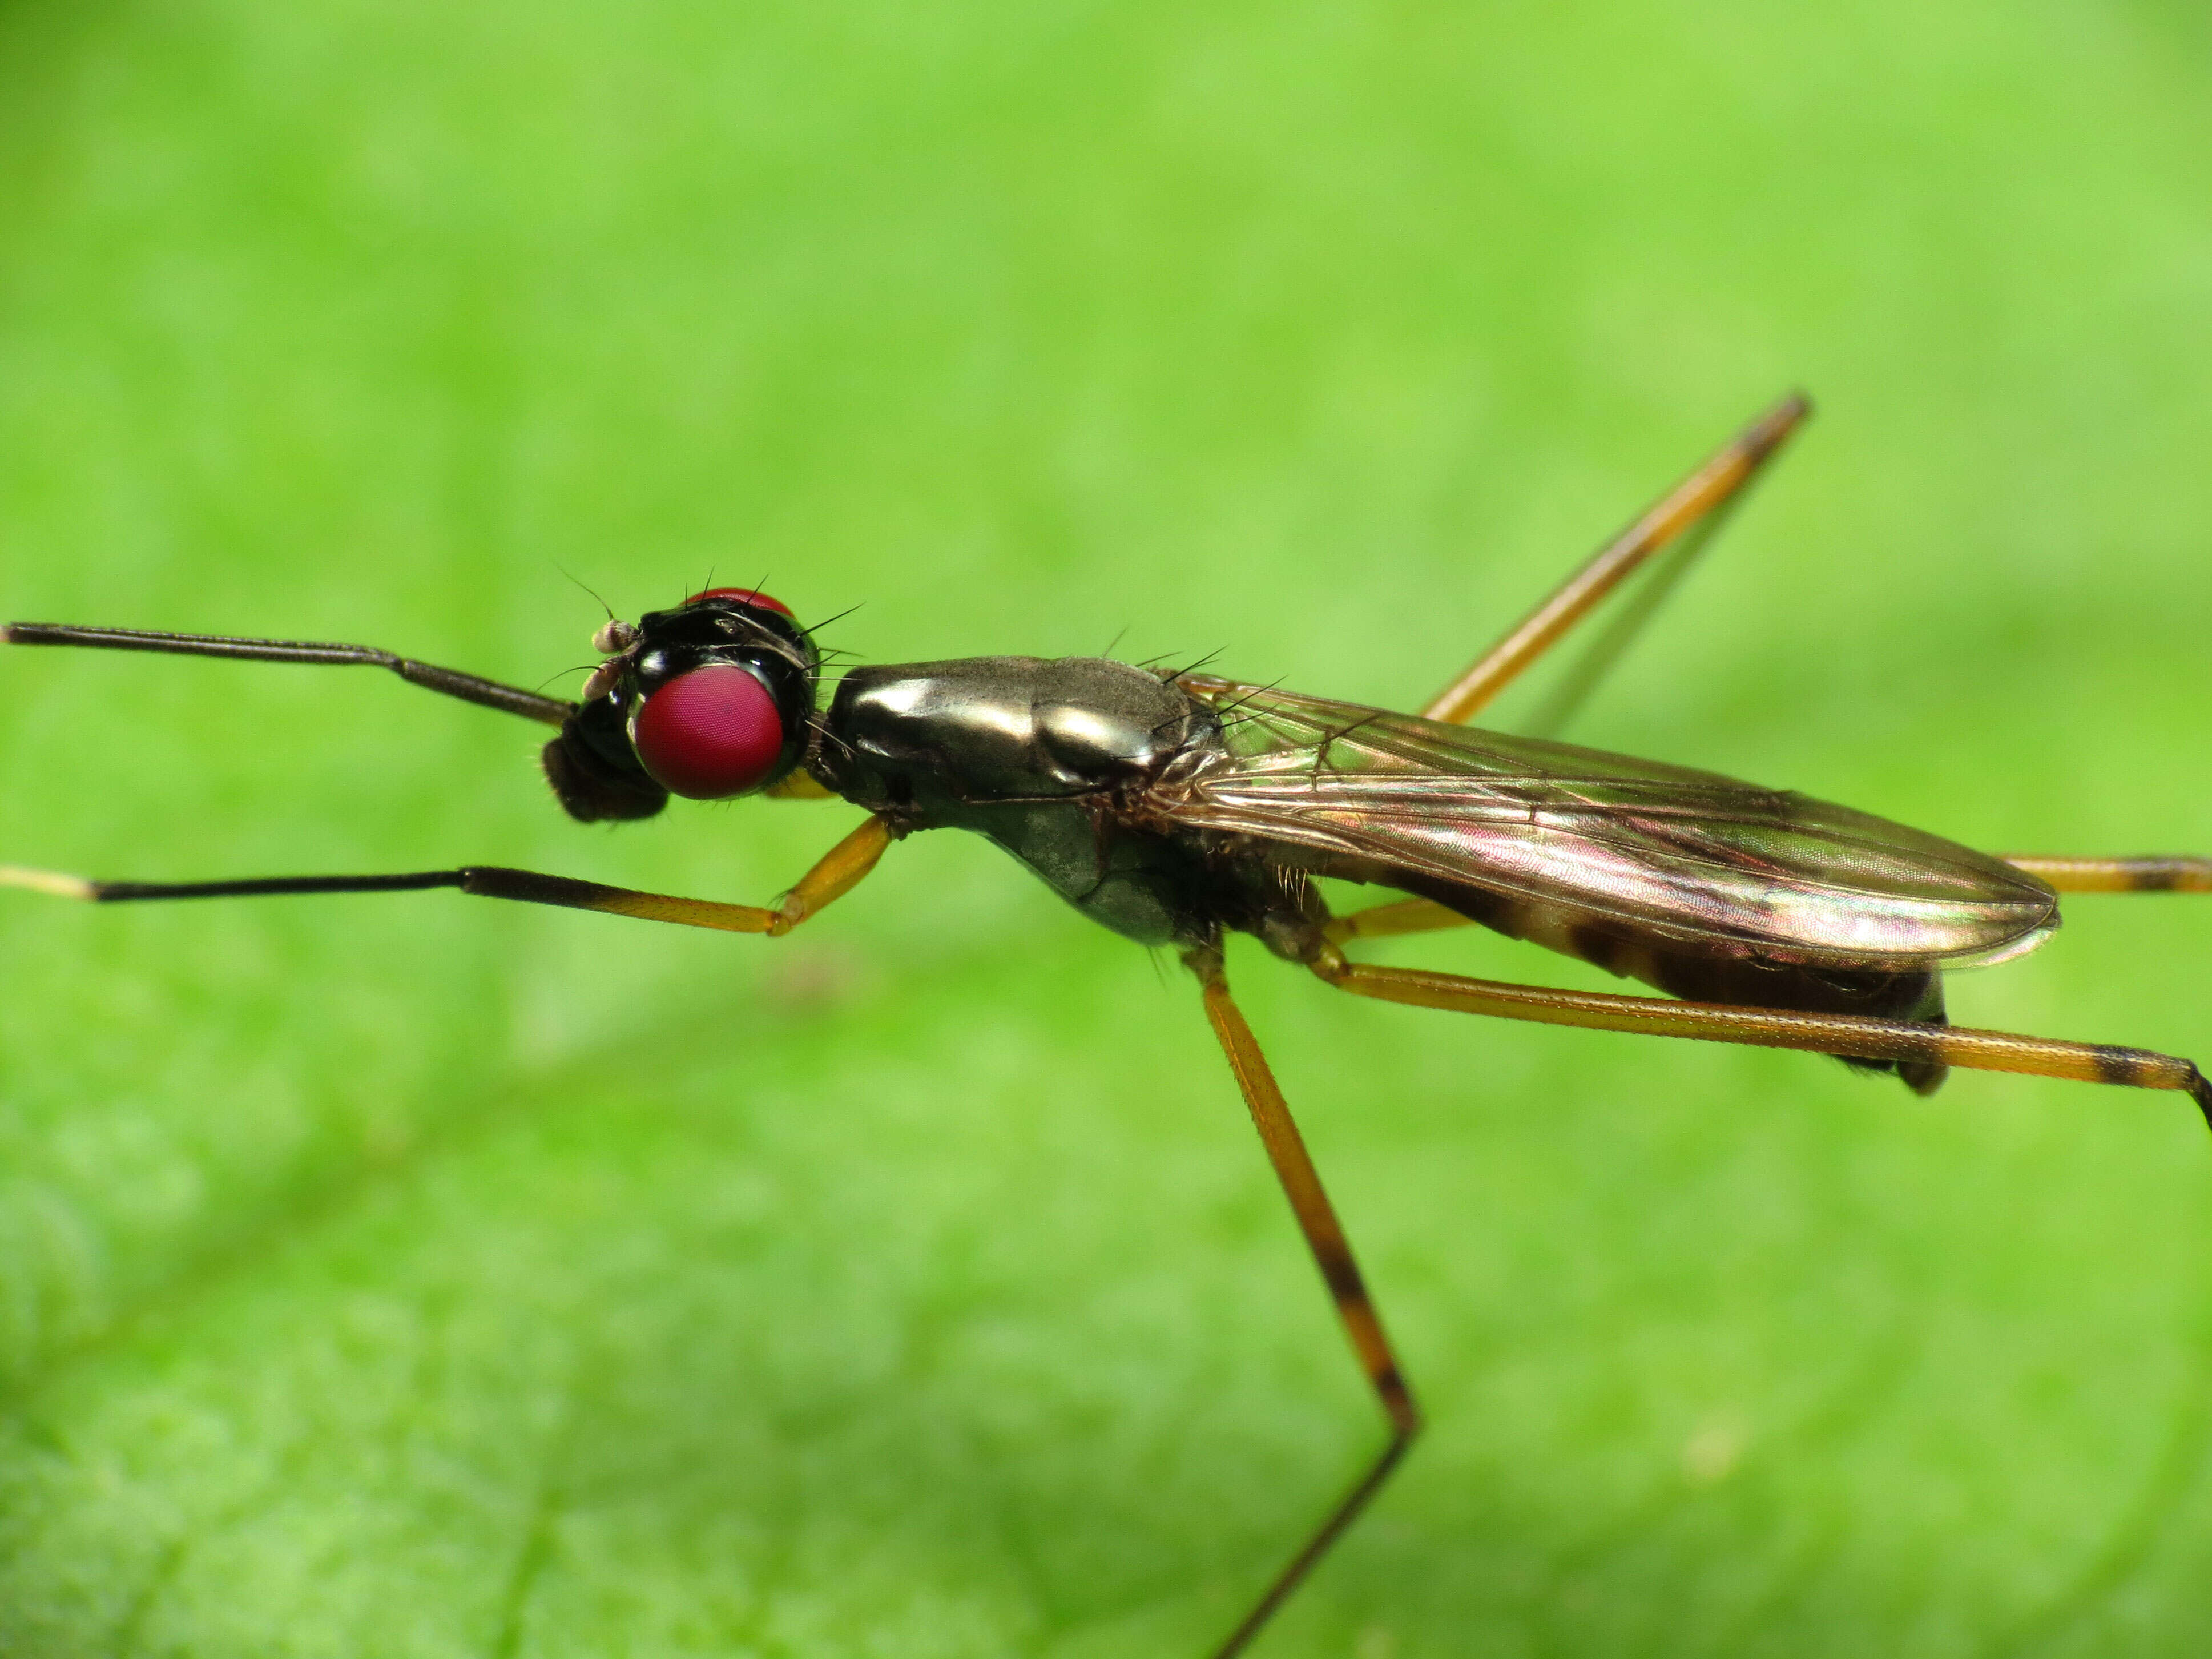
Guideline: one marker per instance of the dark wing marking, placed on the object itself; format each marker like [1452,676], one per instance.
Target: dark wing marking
[1642,847]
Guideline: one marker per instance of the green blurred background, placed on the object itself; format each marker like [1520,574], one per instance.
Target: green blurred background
[413,1277]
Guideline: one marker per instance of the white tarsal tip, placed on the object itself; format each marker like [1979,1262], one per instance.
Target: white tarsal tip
[46,881]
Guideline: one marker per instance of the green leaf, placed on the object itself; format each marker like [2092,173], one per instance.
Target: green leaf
[410,1276]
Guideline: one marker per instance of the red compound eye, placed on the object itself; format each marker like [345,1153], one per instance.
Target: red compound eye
[708,734]
[743,596]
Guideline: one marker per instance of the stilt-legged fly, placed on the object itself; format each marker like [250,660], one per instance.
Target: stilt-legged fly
[1177,807]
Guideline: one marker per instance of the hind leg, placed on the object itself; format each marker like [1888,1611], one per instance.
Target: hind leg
[1691,505]
[1902,1043]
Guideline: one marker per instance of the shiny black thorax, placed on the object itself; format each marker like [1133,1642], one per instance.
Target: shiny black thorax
[1054,760]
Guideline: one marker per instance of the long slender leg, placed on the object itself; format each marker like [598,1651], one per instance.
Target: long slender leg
[2148,875]
[450,682]
[1630,617]
[1710,486]
[837,872]
[1332,1252]
[1389,921]
[1763,1028]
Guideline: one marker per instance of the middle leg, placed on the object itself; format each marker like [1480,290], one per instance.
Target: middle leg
[1332,1254]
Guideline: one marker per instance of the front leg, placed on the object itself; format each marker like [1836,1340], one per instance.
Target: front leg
[835,875]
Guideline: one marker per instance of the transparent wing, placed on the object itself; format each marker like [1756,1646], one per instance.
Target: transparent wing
[1635,846]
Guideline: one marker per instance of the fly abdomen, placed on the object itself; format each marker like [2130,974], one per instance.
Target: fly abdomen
[1868,994]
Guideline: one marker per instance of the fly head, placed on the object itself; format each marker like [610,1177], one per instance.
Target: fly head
[711,700]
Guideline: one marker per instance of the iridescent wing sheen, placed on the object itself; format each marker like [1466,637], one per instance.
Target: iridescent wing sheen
[1634,847]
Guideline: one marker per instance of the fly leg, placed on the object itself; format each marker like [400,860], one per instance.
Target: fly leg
[1903,1040]
[1332,1252]
[1690,505]
[2152,875]
[1389,921]
[836,873]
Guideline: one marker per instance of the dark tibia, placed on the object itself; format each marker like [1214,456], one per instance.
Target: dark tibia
[117,892]
[834,873]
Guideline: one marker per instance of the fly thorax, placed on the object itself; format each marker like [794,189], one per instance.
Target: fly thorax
[1043,757]
[922,736]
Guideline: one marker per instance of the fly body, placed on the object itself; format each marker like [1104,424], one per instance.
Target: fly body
[1175,808]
